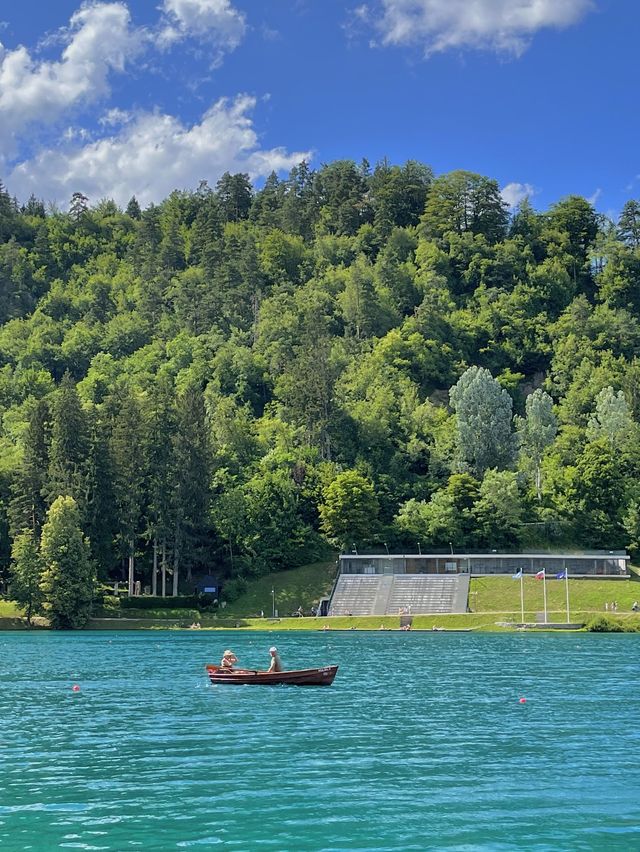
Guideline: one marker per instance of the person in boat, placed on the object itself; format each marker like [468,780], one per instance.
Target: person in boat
[276,662]
[228,659]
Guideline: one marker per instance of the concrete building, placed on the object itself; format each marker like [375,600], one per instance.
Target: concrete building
[595,563]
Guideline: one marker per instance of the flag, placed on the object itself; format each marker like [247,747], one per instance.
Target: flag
[517,575]
[540,575]
[561,575]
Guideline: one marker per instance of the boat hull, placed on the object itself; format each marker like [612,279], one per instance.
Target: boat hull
[244,677]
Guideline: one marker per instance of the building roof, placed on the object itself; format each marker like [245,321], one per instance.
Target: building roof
[600,554]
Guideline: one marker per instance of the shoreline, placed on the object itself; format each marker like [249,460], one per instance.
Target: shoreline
[477,622]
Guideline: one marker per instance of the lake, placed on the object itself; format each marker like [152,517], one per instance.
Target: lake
[421,743]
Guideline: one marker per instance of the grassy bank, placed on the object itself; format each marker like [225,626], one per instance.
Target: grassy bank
[491,599]
[298,587]
[501,594]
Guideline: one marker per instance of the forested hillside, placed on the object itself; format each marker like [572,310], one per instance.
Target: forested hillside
[235,378]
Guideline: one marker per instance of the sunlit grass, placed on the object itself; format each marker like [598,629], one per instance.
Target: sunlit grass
[302,586]
[502,594]
[9,609]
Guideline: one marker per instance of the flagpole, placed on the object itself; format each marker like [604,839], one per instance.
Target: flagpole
[544,591]
[566,583]
[521,597]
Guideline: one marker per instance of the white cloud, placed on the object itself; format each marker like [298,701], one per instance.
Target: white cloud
[502,25]
[216,21]
[513,193]
[99,40]
[153,155]
[114,117]
[593,199]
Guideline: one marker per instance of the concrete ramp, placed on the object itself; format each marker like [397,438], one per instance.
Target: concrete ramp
[415,594]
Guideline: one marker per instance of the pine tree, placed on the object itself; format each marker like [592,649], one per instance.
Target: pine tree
[78,206]
[69,446]
[26,574]
[629,224]
[127,448]
[68,578]
[235,195]
[102,522]
[133,208]
[160,464]
[192,456]
[28,504]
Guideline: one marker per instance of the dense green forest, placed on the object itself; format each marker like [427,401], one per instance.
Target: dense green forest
[237,378]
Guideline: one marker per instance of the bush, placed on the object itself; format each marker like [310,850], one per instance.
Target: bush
[150,602]
[233,589]
[110,605]
[602,624]
[182,614]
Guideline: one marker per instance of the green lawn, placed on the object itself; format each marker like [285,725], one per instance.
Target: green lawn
[298,587]
[8,609]
[389,622]
[502,594]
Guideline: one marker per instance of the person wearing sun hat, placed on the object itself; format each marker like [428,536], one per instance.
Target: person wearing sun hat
[276,662]
[228,659]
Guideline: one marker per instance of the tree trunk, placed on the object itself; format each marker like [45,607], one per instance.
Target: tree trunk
[164,568]
[175,572]
[154,576]
[131,571]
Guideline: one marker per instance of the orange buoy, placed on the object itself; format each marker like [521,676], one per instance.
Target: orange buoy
[523,701]
[75,687]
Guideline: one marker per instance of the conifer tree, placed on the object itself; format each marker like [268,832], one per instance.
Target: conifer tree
[102,522]
[26,574]
[69,446]
[133,208]
[127,448]
[68,578]
[28,504]
[192,459]
[160,465]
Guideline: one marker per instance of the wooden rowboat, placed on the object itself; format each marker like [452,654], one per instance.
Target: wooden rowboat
[303,677]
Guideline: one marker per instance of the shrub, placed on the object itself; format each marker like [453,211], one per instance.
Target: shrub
[150,602]
[233,589]
[602,624]
[110,605]
[182,614]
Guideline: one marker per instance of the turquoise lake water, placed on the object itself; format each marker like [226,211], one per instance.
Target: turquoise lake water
[421,743]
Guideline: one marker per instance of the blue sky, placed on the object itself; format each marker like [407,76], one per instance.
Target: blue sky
[139,97]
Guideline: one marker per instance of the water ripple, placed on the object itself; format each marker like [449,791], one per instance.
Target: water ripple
[421,743]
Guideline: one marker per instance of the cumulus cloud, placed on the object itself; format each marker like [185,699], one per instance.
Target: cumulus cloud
[501,25]
[99,40]
[152,155]
[513,193]
[216,21]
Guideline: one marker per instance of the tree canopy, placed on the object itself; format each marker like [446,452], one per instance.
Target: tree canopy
[240,378]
